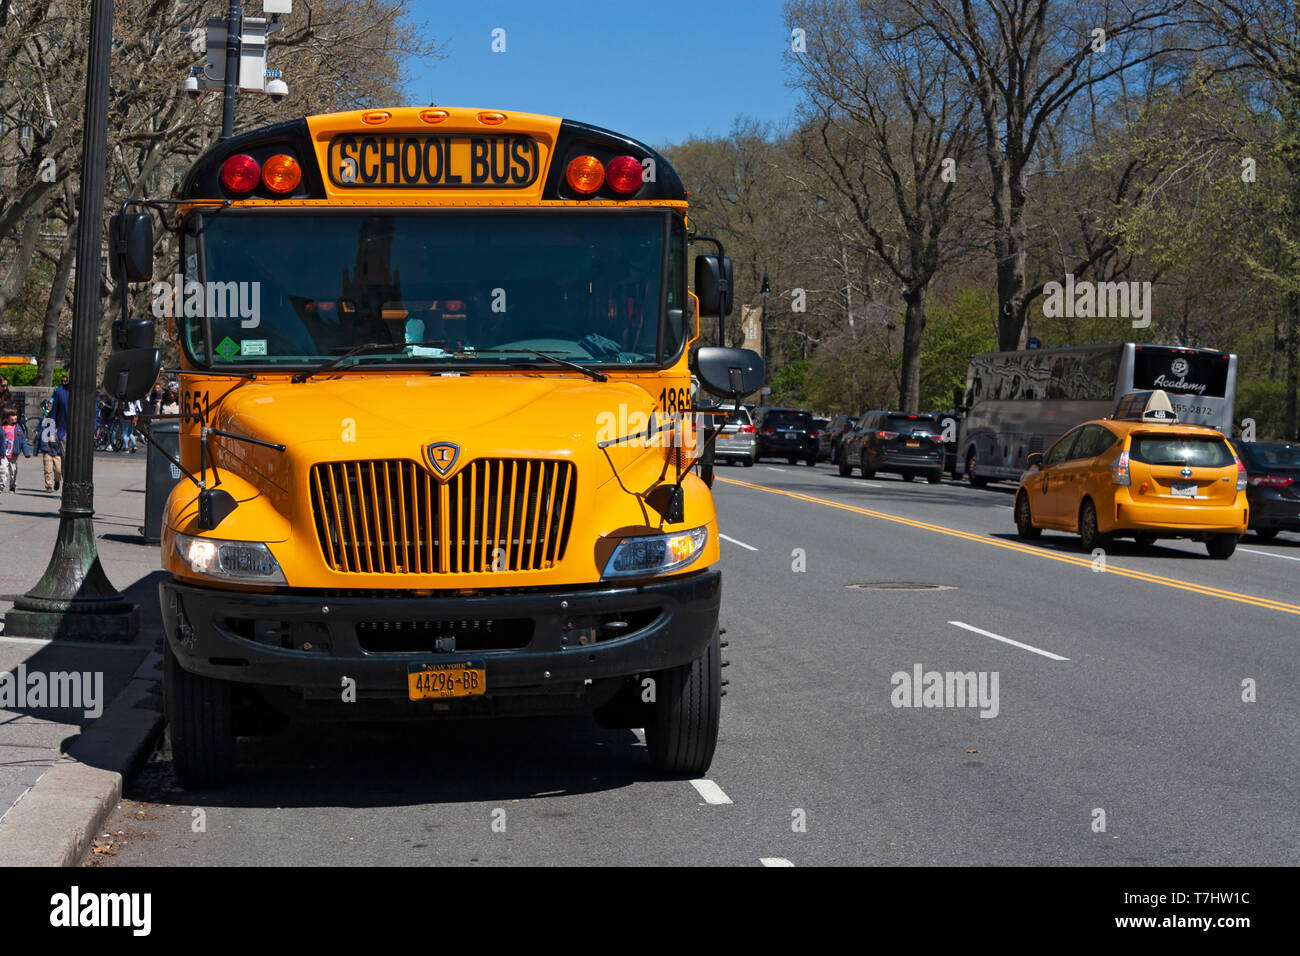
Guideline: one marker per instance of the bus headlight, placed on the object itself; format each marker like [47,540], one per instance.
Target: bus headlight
[232,560]
[656,554]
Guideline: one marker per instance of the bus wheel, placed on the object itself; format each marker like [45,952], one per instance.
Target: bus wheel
[975,480]
[1090,535]
[200,722]
[1221,546]
[682,730]
[1024,520]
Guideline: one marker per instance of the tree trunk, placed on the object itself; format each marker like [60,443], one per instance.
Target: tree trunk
[1292,428]
[909,385]
[1011,266]
[13,280]
[54,310]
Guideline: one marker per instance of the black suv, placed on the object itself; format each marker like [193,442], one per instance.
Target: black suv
[1272,486]
[894,441]
[828,442]
[786,433]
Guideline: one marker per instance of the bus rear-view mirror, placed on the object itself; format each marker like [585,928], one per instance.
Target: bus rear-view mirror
[130,374]
[729,372]
[132,236]
[713,284]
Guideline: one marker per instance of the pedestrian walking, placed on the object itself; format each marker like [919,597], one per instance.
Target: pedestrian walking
[6,398]
[130,415]
[50,448]
[154,401]
[13,442]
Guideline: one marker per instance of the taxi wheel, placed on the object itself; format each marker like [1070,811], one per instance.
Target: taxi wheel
[200,722]
[1145,540]
[681,733]
[1089,535]
[1024,520]
[1221,546]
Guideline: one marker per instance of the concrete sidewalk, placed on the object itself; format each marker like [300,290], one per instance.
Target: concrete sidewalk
[62,768]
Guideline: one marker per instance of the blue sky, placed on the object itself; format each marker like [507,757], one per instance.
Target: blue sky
[658,71]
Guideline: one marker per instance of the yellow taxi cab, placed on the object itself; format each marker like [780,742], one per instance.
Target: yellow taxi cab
[1139,474]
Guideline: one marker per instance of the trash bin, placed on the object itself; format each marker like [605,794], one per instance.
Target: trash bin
[160,476]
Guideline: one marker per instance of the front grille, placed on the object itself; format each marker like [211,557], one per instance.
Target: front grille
[393,517]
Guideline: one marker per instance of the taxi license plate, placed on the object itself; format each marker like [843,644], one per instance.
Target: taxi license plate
[914,444]
[438,681]
[1184,489]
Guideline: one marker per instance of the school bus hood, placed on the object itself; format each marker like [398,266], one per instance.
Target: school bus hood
[371,417]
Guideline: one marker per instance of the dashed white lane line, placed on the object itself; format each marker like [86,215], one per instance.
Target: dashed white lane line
[773,468]
[741,543]
[1269,554]
[1007,640]
[710,791]
[775,861]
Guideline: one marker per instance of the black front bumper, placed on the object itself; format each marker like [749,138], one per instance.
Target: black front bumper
[561,641]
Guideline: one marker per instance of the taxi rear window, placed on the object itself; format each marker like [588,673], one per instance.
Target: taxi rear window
[1199,451]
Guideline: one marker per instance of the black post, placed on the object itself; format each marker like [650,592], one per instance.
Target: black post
[234,49]
[74,599]
[765,290]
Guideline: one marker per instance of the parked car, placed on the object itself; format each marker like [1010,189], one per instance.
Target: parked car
[1139,475]
[1272,486]
[738,440]
[786,433]
[828,441]
[894,441]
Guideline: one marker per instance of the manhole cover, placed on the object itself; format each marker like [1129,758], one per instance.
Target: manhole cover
[901,586]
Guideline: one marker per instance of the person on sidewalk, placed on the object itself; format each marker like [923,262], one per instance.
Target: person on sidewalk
[13,441]
[130,415]
[51,451]
[59,412]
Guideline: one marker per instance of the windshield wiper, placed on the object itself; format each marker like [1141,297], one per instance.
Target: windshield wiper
[362,350]
[593,373]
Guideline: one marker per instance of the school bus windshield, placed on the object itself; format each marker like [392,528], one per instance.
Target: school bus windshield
[299,289]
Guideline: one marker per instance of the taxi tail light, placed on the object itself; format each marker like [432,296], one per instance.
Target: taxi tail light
[1241,476]
[1119,470]
[623,175]
[240,173]
[1268,481]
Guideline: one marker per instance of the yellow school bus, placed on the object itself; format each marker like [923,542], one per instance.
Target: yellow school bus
[439,433]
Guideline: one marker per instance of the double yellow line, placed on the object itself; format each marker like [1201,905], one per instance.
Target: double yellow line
[1032,551]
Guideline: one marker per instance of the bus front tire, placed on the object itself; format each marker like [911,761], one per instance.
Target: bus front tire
[682,730]
[200,723]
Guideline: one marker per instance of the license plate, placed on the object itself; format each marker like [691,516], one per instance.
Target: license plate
[914,444]
[438,681]
[1184,489]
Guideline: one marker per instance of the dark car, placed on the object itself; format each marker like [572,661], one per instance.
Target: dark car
[786,433]
[828,442]
[894,441]
[1272,486]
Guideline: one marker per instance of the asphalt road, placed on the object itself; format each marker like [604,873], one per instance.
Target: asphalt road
[1121,736]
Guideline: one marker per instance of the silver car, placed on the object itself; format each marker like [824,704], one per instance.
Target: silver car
[738,441]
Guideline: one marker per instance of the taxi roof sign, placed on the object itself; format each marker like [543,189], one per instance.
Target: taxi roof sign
[1151,406]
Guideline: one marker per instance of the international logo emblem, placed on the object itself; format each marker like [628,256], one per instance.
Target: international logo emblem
[443,456]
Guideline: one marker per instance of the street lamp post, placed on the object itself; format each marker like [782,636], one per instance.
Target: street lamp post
[234,50]
[74,599]
[765,290]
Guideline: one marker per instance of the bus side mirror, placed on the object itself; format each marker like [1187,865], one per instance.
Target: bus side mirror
[729,372]
[132,334]
[713,284]
[132,237]
[130,373]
